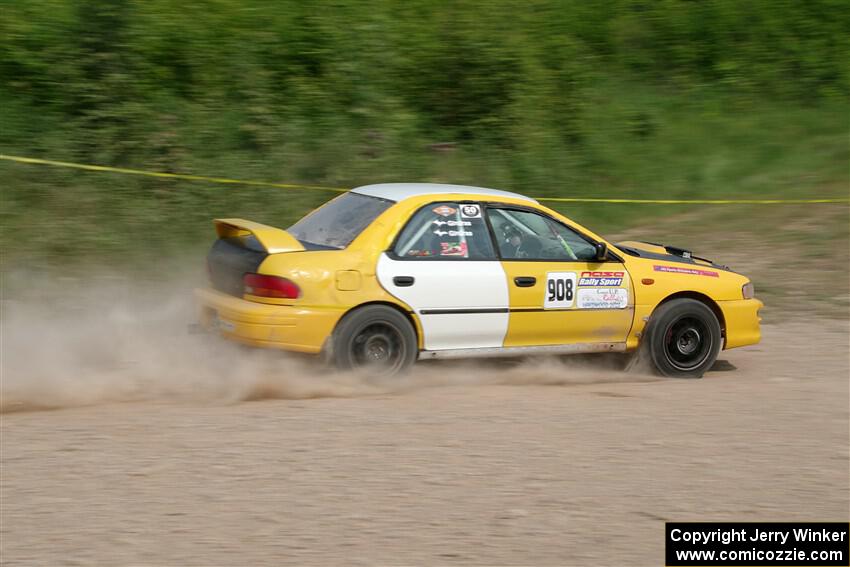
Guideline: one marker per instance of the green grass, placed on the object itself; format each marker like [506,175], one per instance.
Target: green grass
[716,100]
[797,256]
[641,143]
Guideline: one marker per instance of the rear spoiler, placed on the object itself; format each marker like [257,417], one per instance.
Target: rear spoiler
[274,240]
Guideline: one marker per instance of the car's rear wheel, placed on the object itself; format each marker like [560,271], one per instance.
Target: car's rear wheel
[375,338]
[683,338]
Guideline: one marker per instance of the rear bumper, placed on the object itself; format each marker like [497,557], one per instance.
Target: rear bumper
[742,322]
[288,327]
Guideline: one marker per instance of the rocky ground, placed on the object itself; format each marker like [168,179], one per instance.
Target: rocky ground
[527,464]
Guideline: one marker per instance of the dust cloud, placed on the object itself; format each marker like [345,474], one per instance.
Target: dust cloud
[121,341]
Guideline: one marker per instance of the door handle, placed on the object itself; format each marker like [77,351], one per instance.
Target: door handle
[403,281]
[525,281]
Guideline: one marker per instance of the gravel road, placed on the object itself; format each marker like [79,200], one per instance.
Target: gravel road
[524,465]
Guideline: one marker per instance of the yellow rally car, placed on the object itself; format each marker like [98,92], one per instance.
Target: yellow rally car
[385,274]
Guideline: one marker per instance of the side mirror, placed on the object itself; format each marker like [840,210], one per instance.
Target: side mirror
[601,251]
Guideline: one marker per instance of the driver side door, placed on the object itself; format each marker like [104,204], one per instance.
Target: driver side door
[559,292]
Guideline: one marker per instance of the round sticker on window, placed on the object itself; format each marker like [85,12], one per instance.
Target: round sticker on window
[470,211]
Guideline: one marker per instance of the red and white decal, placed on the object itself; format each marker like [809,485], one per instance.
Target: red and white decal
[691,271]
[602,274]
[453,249]
[599,298]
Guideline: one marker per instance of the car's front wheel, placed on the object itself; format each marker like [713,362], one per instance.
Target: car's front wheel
[375,338]
[683,338]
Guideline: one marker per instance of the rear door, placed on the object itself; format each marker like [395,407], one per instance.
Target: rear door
[559,293]
[444,266]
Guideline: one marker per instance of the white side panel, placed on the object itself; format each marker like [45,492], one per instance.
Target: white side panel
[458,285]
[471,330]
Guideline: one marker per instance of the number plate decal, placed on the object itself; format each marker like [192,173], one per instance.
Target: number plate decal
[560,290]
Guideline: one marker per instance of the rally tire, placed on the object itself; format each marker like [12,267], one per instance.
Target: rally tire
[683,338]
[377,339]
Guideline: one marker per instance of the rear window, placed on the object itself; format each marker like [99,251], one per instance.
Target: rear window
[336,223]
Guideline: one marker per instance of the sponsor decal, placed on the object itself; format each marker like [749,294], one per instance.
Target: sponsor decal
[418,253]
[691,271]
[602,298]
[453,249]
[601,279]
[602,274]
[453,232]
[444,210]
[470,211]
[600,282]
[452,223]
[560,290]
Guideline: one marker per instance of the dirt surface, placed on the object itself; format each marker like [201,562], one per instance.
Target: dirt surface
[551,464]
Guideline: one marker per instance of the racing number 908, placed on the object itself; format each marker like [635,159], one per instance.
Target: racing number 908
[560,290]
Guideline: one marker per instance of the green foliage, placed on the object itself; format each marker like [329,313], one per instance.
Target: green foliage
[552,97]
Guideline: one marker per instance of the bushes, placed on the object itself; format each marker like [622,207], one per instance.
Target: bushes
[550,97]
[113,68]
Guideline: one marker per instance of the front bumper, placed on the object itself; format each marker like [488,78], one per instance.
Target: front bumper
[742,322]
[288,327]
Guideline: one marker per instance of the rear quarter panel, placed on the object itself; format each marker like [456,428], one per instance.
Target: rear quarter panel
[335,281]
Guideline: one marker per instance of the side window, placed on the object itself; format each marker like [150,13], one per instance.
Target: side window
[524,235]
[446,231]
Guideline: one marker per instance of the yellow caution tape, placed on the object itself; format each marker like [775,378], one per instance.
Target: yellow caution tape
[697,201]
[225,180]
[162,174]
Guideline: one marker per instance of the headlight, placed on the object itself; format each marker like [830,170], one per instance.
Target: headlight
[749,291]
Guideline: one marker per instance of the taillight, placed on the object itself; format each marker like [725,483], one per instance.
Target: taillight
[270,286]
[748,291]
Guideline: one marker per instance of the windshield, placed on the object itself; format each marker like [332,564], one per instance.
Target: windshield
[336,223]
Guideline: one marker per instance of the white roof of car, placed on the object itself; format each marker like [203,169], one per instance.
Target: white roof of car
[401,191]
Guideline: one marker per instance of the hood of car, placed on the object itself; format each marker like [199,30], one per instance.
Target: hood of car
[667,253]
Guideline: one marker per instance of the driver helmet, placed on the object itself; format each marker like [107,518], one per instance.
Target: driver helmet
[509,231]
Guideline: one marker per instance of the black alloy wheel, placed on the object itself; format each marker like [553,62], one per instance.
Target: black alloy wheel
[683,338]
[375,338]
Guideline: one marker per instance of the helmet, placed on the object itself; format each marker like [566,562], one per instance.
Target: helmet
[509,231]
